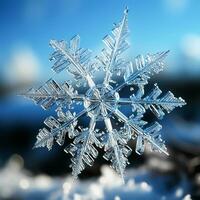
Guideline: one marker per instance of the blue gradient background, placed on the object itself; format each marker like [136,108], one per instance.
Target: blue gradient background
[155,25]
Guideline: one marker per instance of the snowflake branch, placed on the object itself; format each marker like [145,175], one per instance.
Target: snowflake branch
[153,102]
[43,139]
[55,96]
[114,145]
[83,149]
[52,92]
[64,56]
[115,44]
[137,129]
[153,64]
[157,103]
[146,102]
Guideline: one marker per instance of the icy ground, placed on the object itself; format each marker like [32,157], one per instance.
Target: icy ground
[139,184]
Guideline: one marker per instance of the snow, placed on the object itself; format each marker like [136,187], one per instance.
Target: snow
[187,197]
[19,183]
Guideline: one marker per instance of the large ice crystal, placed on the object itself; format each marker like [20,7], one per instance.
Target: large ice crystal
[102,103]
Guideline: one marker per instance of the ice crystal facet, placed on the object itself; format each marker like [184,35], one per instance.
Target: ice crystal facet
[102,103]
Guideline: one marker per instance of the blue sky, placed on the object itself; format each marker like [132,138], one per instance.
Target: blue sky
[155,25]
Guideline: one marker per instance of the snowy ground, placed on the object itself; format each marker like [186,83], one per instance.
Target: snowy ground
[139,184]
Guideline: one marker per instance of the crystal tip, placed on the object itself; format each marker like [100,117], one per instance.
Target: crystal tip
[126,10]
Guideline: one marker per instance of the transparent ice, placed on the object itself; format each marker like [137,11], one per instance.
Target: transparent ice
[102,103]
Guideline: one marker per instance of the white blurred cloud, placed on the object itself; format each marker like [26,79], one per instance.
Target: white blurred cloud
[191,46]
[176,6]
[23,66]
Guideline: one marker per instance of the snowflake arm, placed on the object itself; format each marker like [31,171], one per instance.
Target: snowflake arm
[150,133]
[116,152]
[115,46]
[52,92]
[144,68]
[75,56]
[154,101]
[157,103]
[46,137]
[83,149]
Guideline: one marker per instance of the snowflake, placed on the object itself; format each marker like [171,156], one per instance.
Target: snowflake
[102,103]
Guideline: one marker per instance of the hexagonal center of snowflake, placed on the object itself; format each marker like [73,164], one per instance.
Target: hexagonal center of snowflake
[98,97]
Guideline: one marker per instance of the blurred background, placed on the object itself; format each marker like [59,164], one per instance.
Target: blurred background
[26,26]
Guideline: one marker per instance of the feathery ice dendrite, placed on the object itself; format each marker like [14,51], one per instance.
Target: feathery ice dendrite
[102,103]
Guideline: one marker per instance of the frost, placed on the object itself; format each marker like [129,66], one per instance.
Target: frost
[102,103]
